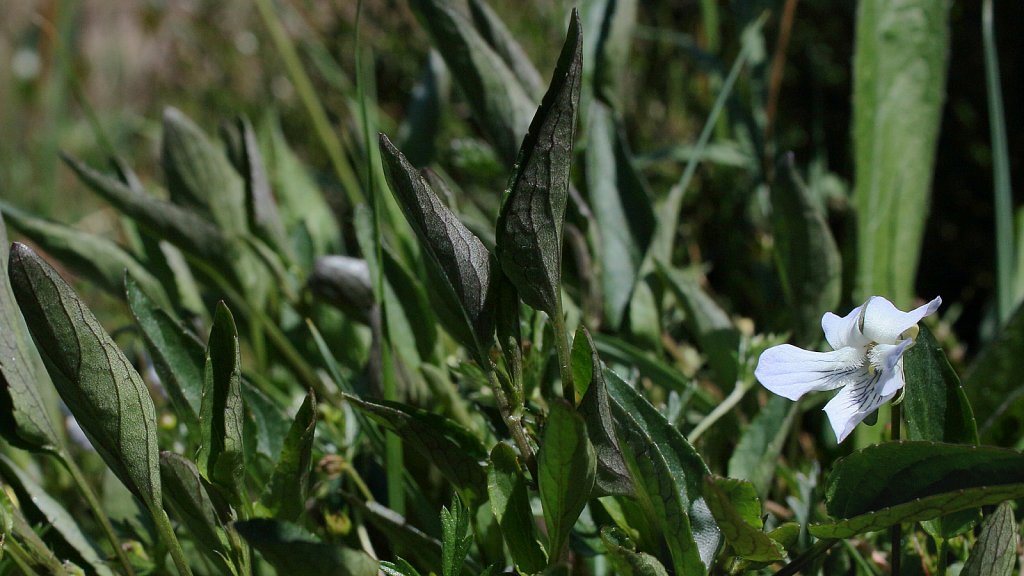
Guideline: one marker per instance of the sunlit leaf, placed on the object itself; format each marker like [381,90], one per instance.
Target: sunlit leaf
[510,502]
[995,552]
[566,466]
[737,511]
[624,557]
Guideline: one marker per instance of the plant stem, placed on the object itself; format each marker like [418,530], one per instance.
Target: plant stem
[166,532]
[513,422]
[896,532]
[94,504]
[564,359]
[801,561]
[722,409]
[940,552]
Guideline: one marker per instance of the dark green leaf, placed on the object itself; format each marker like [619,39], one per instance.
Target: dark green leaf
[625,559]
[461,259]
[343,282]
[757,453]
[529,236]
[200,176]
[899,76]
[285,495]
[566,469]
[994,385]
[92,375]
[192,506]
[24,420]
[615,350]
[806,255]
[292,550]
[737,511]
[412,324]
[455,537]
[221,456]
[419,546]
[621,204]
[261,207]
[178,355]
[995,552]
[612,475]
[510,502]
[668,476]
[454,450]
[270,420]
[417,134]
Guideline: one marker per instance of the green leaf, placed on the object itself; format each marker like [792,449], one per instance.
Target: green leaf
[221,456]
[456,538]
[97,383]
[285,495]
[458,257]
[456,452]
[55,515]
[615,350]
[622,207]
[412,324]
[504,44]
[417,134]
[612,474]
[499,102]
[995,552]
[668,475]
[343,282]
[625,559]
[261,207]
[404,536]
[24,420]
[290,549]
[737,511]
[178,356]
[806,255]
[899,75]
[398,568]
[42,559]
[200,176]
[189,500]
[529,234]
[95,257]
[566,470]
[993,384]
[612,23]
[757,452]
[510,502]
[910,481]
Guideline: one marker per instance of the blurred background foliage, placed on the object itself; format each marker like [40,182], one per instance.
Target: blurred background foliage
[93,76]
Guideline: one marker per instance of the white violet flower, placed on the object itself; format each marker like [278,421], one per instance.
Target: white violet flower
[866,361]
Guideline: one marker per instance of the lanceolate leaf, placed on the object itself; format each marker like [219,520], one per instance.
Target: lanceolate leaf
[192,506]
[510,502]
[456,537]
[291,549]
[493,30]
[995,552]
[23,412]
[737,511]
[463,260]
[92,375]
[936,407]
[286,493]
[899,77]
[261,207]
[757,452]
[529,235]
[614,22]
[668,475]
[566,467]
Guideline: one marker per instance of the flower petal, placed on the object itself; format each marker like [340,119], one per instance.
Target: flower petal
[885,356]
[857,401]
[792,372]
[844,331]
[885,324]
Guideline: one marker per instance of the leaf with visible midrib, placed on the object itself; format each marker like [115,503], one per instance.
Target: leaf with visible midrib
[192,506]
[97,383]
[510,502]
[996,550]
[529,233]
[285,495]
[566,469]
[737,511]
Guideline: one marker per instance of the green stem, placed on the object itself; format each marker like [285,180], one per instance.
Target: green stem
[896,532]
[564,356]
[803,560]
[166,532]
[514,422]
[940,551]
[94,504]
[722,409]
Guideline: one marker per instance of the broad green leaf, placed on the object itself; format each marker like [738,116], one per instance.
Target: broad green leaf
[510,502]
[285,495]
[456,538]
[668,475]
[757,452]
[454,450]
[914,480]
[343,282]
[95,257]
[178,356]
[737,511]
[24,416]
[566,470]
[189,500]
[55,515]
[221,456]
[899,76]
[290,549]
[995,552]
[611,23]
[185,229]
[501,105]
[97,383]
[806,255]
[624,558]
[622,207]
[200,176]
[529,233]
[460,260]
[995,386]
[612,475]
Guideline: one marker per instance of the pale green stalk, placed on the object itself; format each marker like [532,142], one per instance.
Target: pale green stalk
[166,532]
[94,504]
